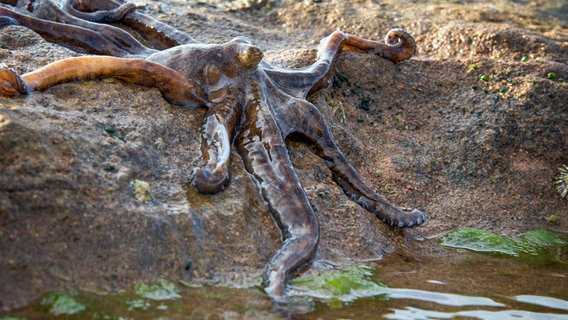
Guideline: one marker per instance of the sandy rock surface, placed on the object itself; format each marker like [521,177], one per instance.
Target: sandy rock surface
[426,133]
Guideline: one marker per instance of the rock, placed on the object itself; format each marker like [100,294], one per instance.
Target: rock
[432,135]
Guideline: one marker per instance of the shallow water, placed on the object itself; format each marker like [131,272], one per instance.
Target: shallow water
[446,283]
[458,284]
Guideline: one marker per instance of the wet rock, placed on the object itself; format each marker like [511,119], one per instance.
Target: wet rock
[433,135]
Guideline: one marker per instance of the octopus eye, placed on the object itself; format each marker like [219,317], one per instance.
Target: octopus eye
[212,74]
[249,56]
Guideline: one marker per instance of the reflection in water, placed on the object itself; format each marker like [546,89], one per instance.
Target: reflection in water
[462,301]
[351,293]
[446,299]
[543,301]
[415,313]
[361,287]
[440,283]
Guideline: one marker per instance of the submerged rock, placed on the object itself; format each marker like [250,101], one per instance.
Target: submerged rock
[428,133]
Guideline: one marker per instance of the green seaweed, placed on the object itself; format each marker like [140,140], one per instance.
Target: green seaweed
[60,303]
[160,290]
[110,129]
[141,304]
[338,286]
[528,243]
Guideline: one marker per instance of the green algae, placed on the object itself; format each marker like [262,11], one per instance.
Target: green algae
[141,304]
[160,290]
[528,243]
[60,303]
[338,286]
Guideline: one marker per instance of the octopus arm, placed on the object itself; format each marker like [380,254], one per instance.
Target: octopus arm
[74,37]
[110,15]
[297,82]
[398,46]
[175,87]
[159,34]
[7,21]
[48,10]
[296,116]
[265,156]
[216,137]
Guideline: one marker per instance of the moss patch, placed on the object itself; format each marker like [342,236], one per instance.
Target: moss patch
[338,286]
[60,303]
[528,243]
[160,290]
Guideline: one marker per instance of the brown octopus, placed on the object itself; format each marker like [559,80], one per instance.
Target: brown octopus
[251,104]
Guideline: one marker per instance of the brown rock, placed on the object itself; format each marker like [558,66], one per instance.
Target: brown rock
[426,133]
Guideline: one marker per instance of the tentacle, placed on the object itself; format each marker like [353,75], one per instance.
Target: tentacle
[216,137]
[77,38]
[175,87]
[399,45]
[10,2]
[7,21]
[11,83]
[299,116]
[159,34]
[111,15]
[266,158]
[46,9]
[299,83]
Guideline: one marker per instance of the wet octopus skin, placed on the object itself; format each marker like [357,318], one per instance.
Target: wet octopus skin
[251,105]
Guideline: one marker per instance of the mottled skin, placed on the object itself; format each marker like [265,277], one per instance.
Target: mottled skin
[252,105]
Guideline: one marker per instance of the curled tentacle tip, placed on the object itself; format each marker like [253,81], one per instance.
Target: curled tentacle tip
[423,216]
[404,218]
[11,83]
[209,181]
[397,35]
[419,218]
[403,44]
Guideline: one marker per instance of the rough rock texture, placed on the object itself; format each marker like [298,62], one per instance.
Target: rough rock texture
[427,133]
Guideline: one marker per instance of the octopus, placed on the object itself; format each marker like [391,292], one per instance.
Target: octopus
[252,106]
